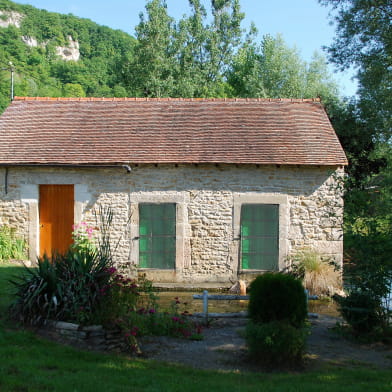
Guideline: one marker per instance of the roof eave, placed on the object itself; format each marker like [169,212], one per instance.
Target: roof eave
[121,164]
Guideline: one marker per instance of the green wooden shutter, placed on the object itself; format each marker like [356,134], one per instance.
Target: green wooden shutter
[260,236]
[157,235]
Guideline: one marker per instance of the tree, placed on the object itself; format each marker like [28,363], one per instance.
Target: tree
[364,41]
[319,81]
[193,58]
[358,142]
[191,39]
[226,34]
[150,73]
[189,58]
[73,90]
[282,70]
[274,70]
[244,75]
[4,89]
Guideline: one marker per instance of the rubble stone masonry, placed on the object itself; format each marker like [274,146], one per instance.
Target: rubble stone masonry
[208,198]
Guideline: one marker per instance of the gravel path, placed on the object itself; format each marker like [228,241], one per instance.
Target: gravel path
[224,348]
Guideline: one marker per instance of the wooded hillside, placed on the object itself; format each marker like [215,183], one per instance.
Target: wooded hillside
[204,54]
[59,55]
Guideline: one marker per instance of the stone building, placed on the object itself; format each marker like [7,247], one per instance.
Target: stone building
[203,190]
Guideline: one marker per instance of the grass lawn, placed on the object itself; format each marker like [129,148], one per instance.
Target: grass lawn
[28,363]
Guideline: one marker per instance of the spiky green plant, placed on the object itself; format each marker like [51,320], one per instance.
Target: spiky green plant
[67,287]
[11,245]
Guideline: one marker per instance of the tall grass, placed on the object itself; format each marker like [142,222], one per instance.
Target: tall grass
[319,276]
[8,272]
[11,245]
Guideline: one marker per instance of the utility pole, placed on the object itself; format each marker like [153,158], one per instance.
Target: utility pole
[11,69]
[12,80]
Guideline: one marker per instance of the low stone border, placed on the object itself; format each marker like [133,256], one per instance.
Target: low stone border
[93,337]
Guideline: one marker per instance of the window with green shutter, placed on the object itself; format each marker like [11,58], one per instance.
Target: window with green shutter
[157,235]
[260,236]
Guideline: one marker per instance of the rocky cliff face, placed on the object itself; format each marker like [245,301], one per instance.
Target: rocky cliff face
[30,41]
[10,18]
[68,52]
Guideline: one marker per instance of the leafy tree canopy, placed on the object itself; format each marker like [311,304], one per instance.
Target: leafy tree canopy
[364,41]
[274,70]
[209,54]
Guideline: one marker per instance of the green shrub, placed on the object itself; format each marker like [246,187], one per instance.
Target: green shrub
[277,297]
[67,287]
[369,275]
[11,246]
[276,343]
[362,311]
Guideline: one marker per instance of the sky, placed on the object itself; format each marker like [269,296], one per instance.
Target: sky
[302,23]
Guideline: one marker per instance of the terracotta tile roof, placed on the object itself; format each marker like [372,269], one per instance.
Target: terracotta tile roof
[95,131]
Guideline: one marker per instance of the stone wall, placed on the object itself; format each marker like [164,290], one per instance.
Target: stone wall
[13,212]
[310,199]
[93,337]
[210,219]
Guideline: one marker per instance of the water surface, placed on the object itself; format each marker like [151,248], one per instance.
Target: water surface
[167,300]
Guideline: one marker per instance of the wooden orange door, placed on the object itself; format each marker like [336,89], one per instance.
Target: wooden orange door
[56,217]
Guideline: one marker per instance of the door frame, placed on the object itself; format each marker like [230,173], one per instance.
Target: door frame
[29,194]
[56,207]
[183,255]
[260,198]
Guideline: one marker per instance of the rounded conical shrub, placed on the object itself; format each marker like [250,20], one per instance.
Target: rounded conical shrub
[277,297]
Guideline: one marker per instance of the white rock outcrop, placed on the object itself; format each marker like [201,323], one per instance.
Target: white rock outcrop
[30,41]
[10,18]
[70,51]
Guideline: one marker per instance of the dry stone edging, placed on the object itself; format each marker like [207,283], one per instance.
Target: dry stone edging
[91,337]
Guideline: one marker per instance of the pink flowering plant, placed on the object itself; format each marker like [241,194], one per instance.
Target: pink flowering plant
[131,305]
[83,236]
[119,296]
[152,321]
[177,321]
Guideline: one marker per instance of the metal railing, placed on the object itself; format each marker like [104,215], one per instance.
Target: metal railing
[230,297]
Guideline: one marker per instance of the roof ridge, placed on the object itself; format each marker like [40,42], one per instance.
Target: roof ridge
[147,99]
